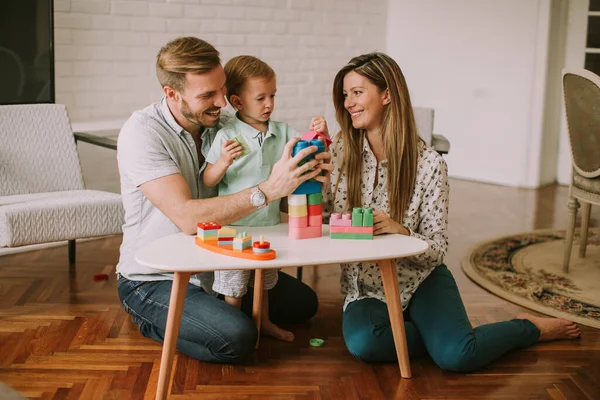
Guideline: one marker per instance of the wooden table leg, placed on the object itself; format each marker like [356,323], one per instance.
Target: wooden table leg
[392,296]
[259,284]
[180,282]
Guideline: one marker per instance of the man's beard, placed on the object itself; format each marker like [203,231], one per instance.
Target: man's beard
[196,119]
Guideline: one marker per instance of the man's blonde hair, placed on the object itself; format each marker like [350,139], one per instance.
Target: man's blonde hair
[184,55]
[241,68]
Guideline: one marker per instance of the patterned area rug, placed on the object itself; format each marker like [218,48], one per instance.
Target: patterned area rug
[527,269]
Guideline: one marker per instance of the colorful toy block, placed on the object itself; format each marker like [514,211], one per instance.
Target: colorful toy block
[312,135]
[208,231]
[311,186]
[245,148]
[306,219]
[211,236]
[242,241]
[340,219]
[306,233]
[358,225]
[226,236]
[260,247]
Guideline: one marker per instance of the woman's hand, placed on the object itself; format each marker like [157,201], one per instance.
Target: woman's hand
[382,223]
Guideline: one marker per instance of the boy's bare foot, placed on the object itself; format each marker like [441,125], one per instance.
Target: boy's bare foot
[553,328]
[270,329]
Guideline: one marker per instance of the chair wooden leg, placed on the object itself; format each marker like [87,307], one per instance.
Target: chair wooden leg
[71,247]
[585,222]
[573,206]
[394,303]
[259,287]
[299,273]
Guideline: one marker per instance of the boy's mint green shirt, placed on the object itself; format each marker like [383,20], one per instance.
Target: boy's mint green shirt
[253,168]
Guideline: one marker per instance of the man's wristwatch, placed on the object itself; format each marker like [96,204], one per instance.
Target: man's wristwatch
[257,197]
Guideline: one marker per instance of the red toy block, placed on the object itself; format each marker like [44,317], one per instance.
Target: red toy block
[100,277]
[310,135]
[315,209]
[208,226]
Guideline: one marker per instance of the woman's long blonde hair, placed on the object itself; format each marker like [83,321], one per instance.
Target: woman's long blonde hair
[398,128]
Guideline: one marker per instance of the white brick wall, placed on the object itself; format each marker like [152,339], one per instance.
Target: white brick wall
[106,49]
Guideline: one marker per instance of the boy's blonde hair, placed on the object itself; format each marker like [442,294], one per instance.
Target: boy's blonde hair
[241,68]
[184,55]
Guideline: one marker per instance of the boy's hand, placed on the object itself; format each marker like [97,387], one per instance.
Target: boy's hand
[230,150]
[382,223]
[318,124]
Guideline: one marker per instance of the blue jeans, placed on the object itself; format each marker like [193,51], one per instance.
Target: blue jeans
[212,330]
[436,324]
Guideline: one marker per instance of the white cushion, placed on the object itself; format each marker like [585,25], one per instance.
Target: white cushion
[55,216]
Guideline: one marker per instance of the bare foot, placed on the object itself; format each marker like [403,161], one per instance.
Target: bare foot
[553,328]
[270,329]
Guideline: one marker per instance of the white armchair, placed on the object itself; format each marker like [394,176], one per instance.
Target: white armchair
[42,194]
[424,118]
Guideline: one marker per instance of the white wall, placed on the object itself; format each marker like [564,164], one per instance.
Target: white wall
[105,50]
[482,65]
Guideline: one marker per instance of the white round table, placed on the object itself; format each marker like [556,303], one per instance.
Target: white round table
[179,254]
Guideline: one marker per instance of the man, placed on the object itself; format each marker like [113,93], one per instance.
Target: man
[161,152]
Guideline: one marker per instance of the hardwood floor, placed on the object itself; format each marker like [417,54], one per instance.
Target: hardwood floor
[64,335]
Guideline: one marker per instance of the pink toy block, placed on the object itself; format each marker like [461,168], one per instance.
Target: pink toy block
[315,209]
[340,220]
[310,135]
[351,229]
[305,233]
[315,220]
[298,222]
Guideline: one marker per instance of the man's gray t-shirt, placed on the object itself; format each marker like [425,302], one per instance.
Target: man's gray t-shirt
[152,145]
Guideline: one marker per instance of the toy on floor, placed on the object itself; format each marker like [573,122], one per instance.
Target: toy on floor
[305,204]
[211,236]
[358,225]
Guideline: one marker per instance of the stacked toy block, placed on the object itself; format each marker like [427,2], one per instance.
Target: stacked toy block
[306,215]
[208,231]
[242,241]
[305,204]
[226,236]
[211,236]
[310,186]
[358,225]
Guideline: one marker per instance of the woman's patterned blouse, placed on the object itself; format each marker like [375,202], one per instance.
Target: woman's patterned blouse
[426,218]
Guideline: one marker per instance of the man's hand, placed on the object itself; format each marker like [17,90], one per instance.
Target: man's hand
[382,223]
[230,150]
[286,175]
[318,124]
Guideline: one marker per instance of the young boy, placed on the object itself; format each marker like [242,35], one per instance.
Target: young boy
[242,155]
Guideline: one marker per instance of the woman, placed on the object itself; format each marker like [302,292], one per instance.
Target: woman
[380,162]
